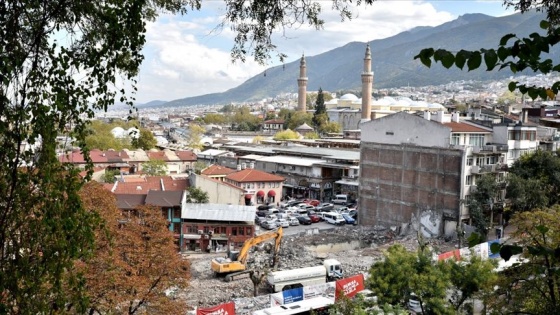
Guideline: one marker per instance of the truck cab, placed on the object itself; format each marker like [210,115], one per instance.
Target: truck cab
[334,269]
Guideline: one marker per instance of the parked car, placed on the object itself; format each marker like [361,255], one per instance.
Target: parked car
[259,220]
[283,223]
[324,207]
[342,210]
[262,213]
[269,225]
[352,206]
[348,219]
[353,214]
[293,221]
[305,207]
[264,207]
[313,202]
[334,218]
[303,219]
[289,203]
[340,199]
[313,216]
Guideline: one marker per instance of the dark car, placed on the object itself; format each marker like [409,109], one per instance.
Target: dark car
[264,207]
[324,207]
[348,219]
[304,220]
[353,214]
[313,216]
[262,213]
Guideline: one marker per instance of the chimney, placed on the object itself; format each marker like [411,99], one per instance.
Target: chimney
[252,165]
[427,115]
[239,167]
[243,165]
[525,115]
[455,117]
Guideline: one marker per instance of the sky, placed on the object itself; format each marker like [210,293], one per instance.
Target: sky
[188,56]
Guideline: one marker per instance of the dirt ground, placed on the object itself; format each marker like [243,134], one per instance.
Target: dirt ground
[297,251]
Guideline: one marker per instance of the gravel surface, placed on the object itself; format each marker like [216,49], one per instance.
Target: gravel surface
[356,248]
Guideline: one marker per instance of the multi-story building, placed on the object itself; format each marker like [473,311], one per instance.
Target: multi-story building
[419,169]
[260,187]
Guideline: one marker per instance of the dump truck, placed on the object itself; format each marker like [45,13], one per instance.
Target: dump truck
[296,278]
[234,265]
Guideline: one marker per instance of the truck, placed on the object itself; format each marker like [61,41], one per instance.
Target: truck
[234,267]
[296,278]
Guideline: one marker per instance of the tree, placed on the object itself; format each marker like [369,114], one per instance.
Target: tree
[523,53]
[312,135]
[481,205]
[196,195]
[145,140]
[286,135]
[331,127]
[154,168]
[50,85]
[199,166]
[216,119]
[404,273]
[299,118]
[109,176]
[320,109]
[135,259]
[532,285]
[257,139]
[194,136]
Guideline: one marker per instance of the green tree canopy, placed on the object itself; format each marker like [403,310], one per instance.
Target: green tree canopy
[217,119]
[196,195]
[154,168]
[145,140]
[286,135]
[299,118]
[330,127]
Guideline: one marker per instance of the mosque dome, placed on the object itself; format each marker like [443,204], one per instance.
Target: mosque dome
[349,97]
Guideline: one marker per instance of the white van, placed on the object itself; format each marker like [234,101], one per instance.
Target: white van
[340,199]
[334,218]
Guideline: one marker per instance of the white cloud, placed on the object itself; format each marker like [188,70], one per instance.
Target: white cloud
[186,56]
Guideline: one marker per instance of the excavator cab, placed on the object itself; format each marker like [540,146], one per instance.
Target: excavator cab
[233,255]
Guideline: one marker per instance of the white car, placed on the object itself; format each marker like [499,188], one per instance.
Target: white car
[283,223]
[293,221]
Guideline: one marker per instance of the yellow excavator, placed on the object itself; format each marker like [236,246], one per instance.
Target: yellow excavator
[233,266]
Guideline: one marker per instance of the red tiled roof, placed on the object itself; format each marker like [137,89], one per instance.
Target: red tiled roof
[186,155]
[151,183]
[217,170]
[75,157]
[160,155]
[463,127]
[274,121]
[253,175]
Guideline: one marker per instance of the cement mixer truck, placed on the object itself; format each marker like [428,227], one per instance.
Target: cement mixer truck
[296,278]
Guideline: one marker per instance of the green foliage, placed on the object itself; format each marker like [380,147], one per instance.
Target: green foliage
[196,195]
[330,127]
[257,139]
[227,108]
[99,136]
[521,54]
[299,118]
[243,120]
[286,135]
[482,201]
[312,135]
[109,176]
[195,136]
[145,140]
[216,119]
[531,287]
[154,168]
[534,181]
[199,166]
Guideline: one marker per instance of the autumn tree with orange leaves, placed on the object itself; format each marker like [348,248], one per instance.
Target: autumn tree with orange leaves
[135,260]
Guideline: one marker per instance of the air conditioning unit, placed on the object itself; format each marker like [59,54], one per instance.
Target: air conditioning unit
[205,236]
[351,176]
[210,232]
[200,232]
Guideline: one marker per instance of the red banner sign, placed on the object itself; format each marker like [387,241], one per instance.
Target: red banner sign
[222,309]
[454,254]
[349,286]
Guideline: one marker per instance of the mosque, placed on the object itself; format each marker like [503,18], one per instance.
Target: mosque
[350,111]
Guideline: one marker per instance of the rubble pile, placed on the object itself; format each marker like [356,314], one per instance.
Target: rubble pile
[296,251]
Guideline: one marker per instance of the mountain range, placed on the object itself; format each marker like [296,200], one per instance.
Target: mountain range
[392,60]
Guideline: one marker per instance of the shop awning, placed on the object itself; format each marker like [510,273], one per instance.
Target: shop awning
[191,236]
[271,193]
[260,193]
[248,196]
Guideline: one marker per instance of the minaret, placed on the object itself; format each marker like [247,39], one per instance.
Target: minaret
[367,87]
[302,85]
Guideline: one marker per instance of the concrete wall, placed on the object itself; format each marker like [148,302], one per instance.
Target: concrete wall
[406,128]
[218,192]
[402,184]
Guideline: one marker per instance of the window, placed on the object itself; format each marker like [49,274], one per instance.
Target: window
[241,231]
[476,140]
[455,139]
[234,231]
[223,230]
[249,231]
[192,229]
[217,230]
[177,228]
[177,213]
[468,180]
[469,161]
[206,230]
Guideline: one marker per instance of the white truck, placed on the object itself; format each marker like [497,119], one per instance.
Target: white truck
[296,278]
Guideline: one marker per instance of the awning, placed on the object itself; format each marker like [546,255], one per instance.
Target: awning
[271,193]
[260,193]
[248,196]
[191,236]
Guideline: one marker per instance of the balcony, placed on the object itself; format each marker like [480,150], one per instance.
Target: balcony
[490,149]
[490,168]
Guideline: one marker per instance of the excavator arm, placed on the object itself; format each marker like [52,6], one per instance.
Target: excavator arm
[244,252]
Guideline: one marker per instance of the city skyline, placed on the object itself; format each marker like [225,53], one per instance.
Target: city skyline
[186,56]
